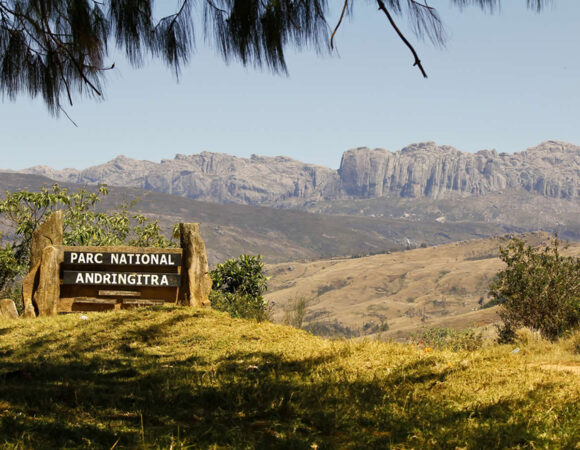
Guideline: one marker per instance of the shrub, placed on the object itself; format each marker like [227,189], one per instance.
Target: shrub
[238,288]
[539,289]
[10,267]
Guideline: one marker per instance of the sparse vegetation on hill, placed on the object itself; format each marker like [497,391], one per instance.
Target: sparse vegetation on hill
[184,378]
[443,286]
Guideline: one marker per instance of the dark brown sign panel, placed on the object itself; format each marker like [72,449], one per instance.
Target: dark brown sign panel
[122,258]
[132,279]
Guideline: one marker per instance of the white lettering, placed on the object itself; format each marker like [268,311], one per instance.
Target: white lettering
[154,259]
[155,280]
[114,258]
[99,258]
[79,279]
[73,257]
[107,278]
[164,280]
[145,259]
[171,263]
[132,279]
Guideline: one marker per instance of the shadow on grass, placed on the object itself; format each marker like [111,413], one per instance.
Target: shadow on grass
[245,400]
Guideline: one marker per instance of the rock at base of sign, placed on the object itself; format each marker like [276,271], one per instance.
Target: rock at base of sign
[8,309]
[195,279]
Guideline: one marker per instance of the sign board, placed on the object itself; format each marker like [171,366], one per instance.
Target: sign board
[104,277]
[134,264]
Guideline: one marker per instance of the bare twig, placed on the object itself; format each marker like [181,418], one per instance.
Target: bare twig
[67,116]
[417,62]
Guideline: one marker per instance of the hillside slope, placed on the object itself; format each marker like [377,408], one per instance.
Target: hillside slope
[186,378]
[279,235]
[438,286]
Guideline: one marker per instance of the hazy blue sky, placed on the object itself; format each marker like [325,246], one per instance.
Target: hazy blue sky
[506,81]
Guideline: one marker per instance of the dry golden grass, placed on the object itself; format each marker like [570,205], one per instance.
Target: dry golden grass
[184,378]
[435,286]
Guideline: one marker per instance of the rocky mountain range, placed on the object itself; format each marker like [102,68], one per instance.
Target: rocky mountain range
[423,170]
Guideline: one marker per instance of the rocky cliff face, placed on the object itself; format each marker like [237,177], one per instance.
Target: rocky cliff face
[425,170]
[213,177]
[551,169]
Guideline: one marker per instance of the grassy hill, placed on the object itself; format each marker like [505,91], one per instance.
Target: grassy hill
[186,378]
[278,235]
[441,286]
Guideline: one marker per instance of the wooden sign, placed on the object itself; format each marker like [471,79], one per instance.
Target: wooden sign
[121,269]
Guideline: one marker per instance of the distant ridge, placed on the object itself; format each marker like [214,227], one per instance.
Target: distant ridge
[551,170]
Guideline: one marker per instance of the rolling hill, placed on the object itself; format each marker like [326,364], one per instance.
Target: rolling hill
[440,286]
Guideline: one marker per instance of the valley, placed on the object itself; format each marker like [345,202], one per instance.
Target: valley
[392,296]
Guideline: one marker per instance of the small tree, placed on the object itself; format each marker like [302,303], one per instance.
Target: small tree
[238,287]
[539,289]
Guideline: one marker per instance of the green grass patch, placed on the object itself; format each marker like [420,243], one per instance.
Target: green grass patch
[184,378]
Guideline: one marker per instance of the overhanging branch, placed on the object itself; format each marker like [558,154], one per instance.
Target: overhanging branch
[417,62]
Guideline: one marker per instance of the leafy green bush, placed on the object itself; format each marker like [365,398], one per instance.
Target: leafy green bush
[539,289]
[238,288]
[9,266]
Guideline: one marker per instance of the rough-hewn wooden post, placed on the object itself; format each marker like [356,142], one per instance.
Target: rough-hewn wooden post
[49,232]
[48,292]
[195,279]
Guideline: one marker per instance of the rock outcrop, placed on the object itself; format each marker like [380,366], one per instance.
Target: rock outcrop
[50,232]
[8,309]
[195,279]
[213,177]
[551,169]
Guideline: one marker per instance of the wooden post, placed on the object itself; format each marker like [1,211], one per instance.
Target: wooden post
[195,279]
